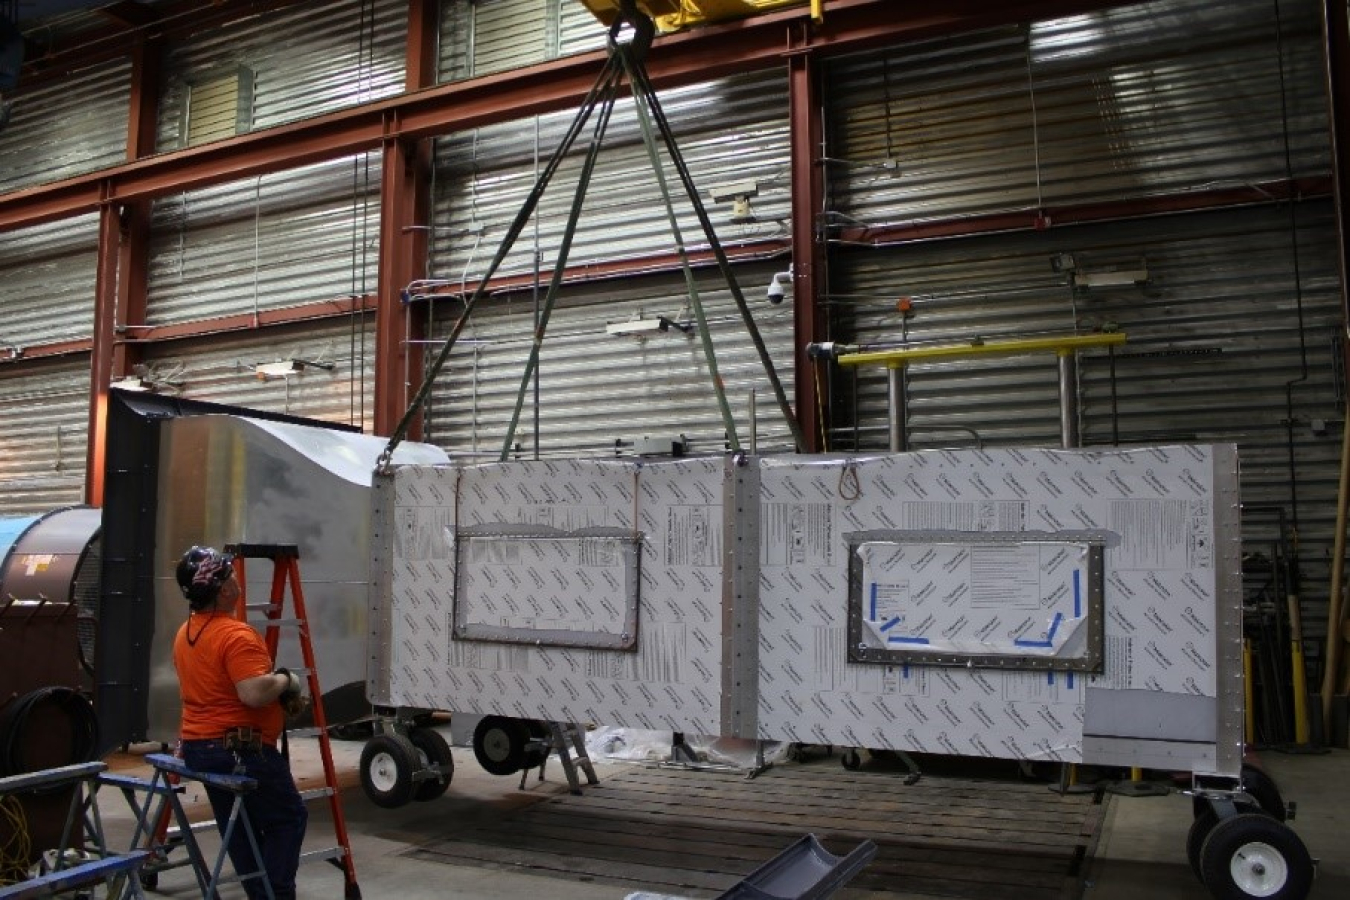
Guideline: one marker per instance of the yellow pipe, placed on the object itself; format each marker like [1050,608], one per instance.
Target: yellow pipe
[896,358]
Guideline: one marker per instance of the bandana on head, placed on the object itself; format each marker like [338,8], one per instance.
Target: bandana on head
[208,571]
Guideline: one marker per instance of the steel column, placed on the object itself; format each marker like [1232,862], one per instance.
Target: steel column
[100,357]
[808,191]
[405,203]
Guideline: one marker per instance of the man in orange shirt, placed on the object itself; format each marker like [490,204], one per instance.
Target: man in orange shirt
[232,715]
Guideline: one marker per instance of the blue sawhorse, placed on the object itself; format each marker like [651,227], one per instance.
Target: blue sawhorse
[83,815]
[162,786]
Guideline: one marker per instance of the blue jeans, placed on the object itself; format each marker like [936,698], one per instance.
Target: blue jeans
[275,809]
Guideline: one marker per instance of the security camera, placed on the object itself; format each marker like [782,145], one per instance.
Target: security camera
[776,290]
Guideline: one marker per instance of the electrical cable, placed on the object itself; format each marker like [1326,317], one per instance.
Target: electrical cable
[16,726]
[18,849]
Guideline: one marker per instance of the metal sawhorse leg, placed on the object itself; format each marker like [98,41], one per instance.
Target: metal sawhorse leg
[162,787]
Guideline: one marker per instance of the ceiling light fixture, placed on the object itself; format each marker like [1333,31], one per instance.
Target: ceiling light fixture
[284,368]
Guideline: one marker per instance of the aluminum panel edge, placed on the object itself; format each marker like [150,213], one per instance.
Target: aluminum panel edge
[740,598]
[1228,585]
[380,593]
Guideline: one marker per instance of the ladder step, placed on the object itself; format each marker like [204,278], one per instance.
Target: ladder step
[326,853]
[316,793]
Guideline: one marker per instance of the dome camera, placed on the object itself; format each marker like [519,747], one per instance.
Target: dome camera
[776,290]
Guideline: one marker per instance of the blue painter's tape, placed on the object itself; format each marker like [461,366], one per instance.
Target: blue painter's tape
[907,640]
[1077,595]
[873,616]
[891,624]
[1050,636]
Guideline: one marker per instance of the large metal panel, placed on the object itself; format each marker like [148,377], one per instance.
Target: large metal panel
[731,130]
[44,420]
[596,388]
[277,240]
[65,127]
[479,37]
[1126,102]
[221,370]
[306,59]
[47,277]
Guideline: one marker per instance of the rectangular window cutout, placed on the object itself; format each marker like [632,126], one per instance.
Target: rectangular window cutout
[577,589]
[988,600]
[219,107]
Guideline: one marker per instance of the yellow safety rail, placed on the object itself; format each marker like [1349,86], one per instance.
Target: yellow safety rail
[673,15]
[894,359]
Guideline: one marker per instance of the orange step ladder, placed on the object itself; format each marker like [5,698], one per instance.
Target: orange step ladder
[286,573]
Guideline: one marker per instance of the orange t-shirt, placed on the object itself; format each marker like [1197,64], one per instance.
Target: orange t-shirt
[225,651]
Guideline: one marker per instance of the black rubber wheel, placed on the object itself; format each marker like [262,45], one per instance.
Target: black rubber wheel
[387,764]
[1251,855]
[499,744]
[432,750]
[851,759]
[1264,791]
[149,880]
[1195,839]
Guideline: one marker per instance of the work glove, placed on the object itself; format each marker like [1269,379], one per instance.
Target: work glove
[291,699]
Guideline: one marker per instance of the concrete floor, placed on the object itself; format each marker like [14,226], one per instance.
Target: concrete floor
[1141,853]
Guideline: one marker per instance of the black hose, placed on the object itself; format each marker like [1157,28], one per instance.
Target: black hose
[17,729]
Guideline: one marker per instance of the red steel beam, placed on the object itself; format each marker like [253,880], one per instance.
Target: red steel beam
[757,43]
[324,309]
[405,211]
[1336,31]
[100,356]
[808,192]
[1052,217]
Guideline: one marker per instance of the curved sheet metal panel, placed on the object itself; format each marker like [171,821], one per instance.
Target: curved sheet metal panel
[228,479]
[11,529]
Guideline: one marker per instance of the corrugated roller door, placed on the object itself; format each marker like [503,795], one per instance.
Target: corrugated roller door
[302,61]
[1127,102]
[731,130]
[44,423]
[47,282]
[221,370]
[596,388]
[284,239]
[66,127]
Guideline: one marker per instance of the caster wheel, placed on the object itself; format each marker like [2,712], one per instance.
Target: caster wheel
[851,760]
[1251,855]
[1195,839]
[149,880]
[432,750]
[499,744]
[1262,788]
[387,763]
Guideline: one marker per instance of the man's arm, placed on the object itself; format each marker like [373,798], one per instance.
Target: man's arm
[262,689]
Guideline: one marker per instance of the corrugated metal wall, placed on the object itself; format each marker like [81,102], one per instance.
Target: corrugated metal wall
[66,127]
[1130,102]
[279,240]
[1231,337]
[47,282]
[596,388]
[221,369]
[44,424]
[479,37]
[730,130]
[306,60]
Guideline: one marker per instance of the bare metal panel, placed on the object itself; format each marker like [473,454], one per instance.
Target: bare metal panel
[47,282]
[44,420]
[730,130]
[221,370]
[277,240]
[307,59]
[47,559]
[65,127]
[224,480]
[1131,101]
[596,388]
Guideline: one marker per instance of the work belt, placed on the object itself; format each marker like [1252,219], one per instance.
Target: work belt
[243,738]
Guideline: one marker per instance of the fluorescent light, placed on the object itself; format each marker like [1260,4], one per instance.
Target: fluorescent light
[278,369]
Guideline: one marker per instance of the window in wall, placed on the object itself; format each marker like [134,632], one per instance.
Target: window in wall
[218,106]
